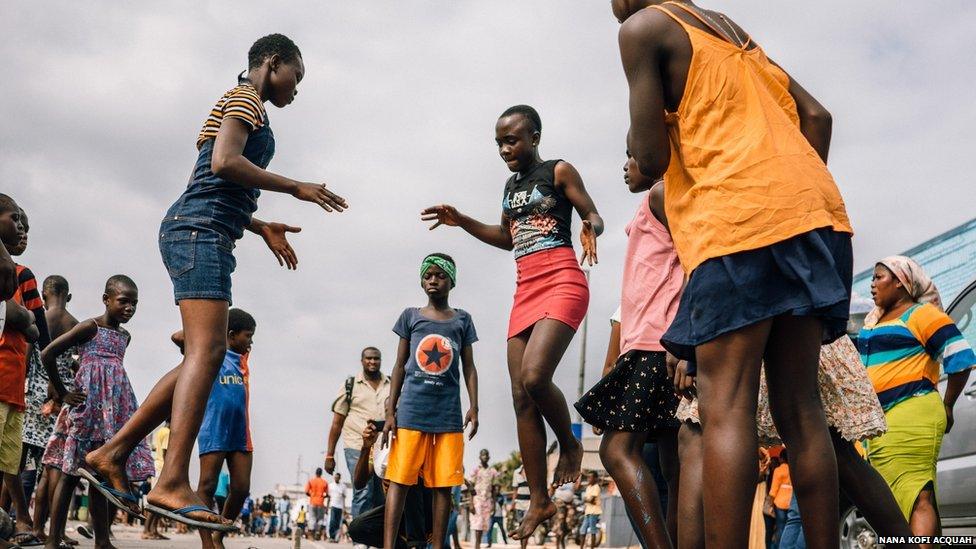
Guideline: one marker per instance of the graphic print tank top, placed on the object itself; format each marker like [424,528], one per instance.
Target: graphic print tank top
[540,215]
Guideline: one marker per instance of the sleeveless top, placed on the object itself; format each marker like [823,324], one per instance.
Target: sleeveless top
[211,202]
[540,216]
[742,176]
[652,281]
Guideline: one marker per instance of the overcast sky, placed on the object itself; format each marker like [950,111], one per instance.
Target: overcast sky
[103,102]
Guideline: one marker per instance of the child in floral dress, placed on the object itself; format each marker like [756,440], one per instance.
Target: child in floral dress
[109,403]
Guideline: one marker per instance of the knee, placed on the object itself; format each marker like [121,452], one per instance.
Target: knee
[210,353]
[241,487]
[613,456]
[522,401]
[535,384]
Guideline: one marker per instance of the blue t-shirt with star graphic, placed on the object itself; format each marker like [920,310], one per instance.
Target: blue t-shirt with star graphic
[430,400]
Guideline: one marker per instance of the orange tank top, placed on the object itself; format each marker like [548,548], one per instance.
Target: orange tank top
[742,176]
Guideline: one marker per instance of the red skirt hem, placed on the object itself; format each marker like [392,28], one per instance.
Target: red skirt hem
[550,284]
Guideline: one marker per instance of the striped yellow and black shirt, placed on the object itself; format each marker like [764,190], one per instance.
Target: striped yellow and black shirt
[241,102]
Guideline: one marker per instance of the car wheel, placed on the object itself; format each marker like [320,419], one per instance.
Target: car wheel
[855,532]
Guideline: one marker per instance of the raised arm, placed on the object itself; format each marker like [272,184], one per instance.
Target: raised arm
[498,236]
[228,162]
[642,57]
[82,332]
[363,471]
[471,382]
[396,385]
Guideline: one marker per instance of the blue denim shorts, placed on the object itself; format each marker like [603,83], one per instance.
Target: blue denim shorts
[199,262]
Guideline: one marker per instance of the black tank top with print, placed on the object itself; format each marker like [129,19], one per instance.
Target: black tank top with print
[540,215]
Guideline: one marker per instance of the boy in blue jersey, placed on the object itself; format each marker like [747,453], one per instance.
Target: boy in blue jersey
[225,434]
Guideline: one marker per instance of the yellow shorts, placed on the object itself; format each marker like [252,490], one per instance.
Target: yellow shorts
[436,457]
[11,438]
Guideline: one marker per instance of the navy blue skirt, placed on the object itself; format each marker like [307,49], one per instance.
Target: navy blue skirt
[807,275]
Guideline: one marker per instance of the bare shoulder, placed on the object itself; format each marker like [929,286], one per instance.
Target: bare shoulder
[564,169]
[648,26]
[85,330]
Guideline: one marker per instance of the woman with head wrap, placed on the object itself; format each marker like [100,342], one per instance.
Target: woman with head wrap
[903,341]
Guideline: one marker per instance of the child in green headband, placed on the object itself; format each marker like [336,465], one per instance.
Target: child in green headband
[423,414]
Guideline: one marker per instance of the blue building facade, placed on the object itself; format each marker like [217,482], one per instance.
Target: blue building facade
[950,259]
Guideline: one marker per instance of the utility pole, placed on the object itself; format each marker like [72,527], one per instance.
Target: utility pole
[582,358]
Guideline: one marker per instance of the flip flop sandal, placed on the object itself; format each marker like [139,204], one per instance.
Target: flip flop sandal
[115,497]
[26,539]
[84,532]
[180,515]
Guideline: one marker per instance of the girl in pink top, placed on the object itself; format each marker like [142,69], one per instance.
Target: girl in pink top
[636,400]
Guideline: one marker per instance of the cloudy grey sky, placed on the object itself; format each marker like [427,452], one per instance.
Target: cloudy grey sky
[103,102]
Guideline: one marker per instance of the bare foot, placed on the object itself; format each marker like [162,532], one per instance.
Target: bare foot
[39,534]
[159,536]
[534,516]
[568,466]
[112,469]
[179,497]
[104,545]
[70,541]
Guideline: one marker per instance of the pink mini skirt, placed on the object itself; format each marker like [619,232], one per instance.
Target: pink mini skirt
[550,284]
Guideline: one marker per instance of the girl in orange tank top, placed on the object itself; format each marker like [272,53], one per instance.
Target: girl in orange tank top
[762,232]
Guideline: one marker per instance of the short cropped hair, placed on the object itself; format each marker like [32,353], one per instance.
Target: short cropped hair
[56,284]
[370,348]
[239,320]
[119,281]
[269,45]
[8,204]
[528,112]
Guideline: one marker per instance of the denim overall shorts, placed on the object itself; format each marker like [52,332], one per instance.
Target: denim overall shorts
[196,238]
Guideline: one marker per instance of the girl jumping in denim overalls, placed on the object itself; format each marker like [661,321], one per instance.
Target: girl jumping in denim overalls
[196,240]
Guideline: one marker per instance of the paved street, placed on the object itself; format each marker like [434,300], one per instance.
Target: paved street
[126,538]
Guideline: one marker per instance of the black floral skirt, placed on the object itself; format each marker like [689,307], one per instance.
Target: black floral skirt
[637,396]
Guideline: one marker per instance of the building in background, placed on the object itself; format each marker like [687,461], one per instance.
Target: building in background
[950,259]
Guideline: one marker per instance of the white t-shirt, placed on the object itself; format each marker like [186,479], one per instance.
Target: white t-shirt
[337,495]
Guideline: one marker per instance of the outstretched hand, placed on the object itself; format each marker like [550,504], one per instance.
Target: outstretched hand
[442,214]
[588,240]
[317,193]
[274,235]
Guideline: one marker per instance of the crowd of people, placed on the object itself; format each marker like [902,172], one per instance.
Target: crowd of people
[731,335]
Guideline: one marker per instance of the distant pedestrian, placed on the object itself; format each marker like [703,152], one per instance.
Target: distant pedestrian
[361,398]
[337,506]
[317,490]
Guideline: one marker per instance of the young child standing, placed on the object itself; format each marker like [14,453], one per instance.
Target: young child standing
[225,435]
[56,294]
[423,414]
[109,402]
[551,295]
[196,241]
[635,402]
[25,326]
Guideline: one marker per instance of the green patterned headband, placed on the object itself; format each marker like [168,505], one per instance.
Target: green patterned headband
[444,264]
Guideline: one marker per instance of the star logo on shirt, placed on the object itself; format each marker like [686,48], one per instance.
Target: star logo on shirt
[435,354]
